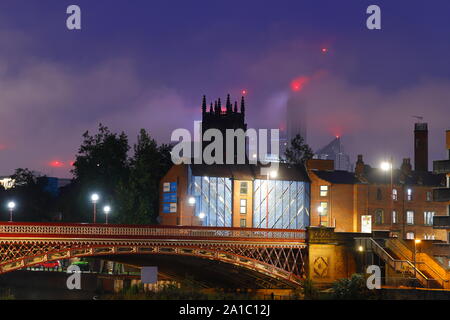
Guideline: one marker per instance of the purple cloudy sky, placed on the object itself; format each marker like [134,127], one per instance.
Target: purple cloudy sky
[147,63]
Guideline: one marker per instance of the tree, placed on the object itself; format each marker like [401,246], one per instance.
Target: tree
[298,152]
[354,288]
[139,194]
[101,166]
[30,192]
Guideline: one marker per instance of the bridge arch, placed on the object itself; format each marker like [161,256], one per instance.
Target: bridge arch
[279,254]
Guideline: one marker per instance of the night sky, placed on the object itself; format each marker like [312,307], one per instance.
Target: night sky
[146,64]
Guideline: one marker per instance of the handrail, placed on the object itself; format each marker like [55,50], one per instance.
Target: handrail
[14,230]
[393,262]
[397,243]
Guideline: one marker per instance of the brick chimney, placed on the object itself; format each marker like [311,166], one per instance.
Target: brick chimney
[406,167]
[420,146]
[359,168]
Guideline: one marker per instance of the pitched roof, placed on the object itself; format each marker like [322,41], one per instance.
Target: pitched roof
[337,176]
[249,171]
[376,176]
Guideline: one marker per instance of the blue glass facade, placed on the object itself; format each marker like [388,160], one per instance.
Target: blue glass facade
[280,204]
[214,199]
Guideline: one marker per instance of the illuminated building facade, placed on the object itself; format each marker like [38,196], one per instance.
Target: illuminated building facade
[235,196]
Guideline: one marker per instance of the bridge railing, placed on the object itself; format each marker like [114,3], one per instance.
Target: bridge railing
[85,230]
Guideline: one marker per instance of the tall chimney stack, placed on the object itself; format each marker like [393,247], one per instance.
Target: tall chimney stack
[421,146]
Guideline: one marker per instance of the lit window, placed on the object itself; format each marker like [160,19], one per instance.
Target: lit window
[409,194]
[379,216]
[243,223]
[428,218]
[323,208]
[429,196]
[243,206]
[323,191]
[410,217]
[394,194]
[394,217]
[244,187]
[410,235]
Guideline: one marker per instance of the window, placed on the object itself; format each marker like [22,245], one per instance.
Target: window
[410,235]
[379,216]
[243,223]
[410,217]
[409,194]
[394,217]
[394,195]
[323,191]
[243,206]
[244,187]
[323,208]
[429,196]
[427,236]
[428,218]
[379,195]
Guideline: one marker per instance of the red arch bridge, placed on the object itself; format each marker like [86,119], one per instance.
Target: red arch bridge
[276,254]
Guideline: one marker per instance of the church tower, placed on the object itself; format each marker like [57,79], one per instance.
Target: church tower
[223,119]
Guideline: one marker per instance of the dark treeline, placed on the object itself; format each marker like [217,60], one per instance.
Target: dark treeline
[129,184]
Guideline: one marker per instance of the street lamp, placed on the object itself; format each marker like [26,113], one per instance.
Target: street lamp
[388,166]
[191,201]
[94,198]
[320,210]
[106,210]
[11,205]
[416,242]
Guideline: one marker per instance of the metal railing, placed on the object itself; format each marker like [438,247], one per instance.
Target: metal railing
[59,230]
[441,194]
[441,166]
[403,266]
[402,249]
[441,222]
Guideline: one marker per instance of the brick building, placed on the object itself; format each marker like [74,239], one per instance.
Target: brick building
[365,200]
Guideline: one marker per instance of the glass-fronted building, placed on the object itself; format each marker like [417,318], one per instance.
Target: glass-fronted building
[237,196]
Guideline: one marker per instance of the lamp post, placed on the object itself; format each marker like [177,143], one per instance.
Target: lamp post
[11,205]
[320,210]
[388,166]
[106,210]
[416,242]
[94,198]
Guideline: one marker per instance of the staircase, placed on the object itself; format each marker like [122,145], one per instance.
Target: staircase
[424,263]
[398,256]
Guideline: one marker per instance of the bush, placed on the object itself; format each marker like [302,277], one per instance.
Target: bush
[354,288]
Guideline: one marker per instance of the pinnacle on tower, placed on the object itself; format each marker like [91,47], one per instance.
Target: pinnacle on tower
[228,104]
[242,105]
[204,104]
[235,107]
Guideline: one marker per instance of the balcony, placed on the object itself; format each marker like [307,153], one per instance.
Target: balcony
[441,222]
[441,194]
[441,166]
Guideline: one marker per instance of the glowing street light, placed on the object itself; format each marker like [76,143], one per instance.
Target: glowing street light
[386,166]
[273,174]
[191,201]
[202,215]
[11,205]
[320,210]
[94,198]
[106,210]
